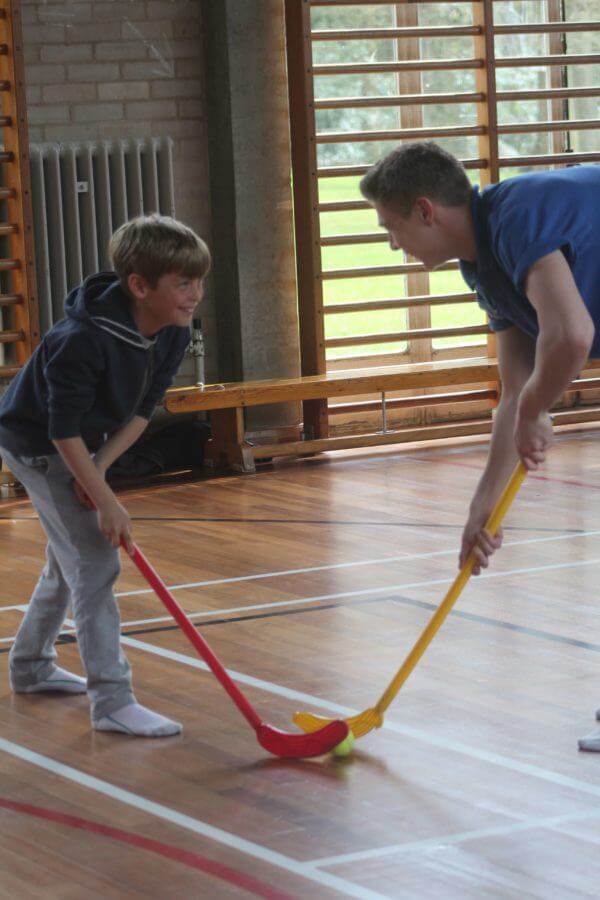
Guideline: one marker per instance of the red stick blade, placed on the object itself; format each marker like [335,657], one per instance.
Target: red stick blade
[301,746]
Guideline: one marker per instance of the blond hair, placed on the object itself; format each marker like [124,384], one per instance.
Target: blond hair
[155,245]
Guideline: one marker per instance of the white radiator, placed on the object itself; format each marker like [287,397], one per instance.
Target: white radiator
[81,192]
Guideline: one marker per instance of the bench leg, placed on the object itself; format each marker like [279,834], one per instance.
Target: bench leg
[9,485]
[316,419]
[227,446]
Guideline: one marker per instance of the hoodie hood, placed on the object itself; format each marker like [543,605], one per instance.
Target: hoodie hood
[100,300]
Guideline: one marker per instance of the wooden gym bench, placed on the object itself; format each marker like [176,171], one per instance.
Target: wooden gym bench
[226,403]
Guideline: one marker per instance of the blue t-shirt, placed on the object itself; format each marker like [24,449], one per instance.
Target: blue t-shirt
[524,218]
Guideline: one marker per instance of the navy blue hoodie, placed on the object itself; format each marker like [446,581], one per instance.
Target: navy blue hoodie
[90,375]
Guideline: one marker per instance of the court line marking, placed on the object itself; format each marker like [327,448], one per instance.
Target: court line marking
[182,820]
[285,572]
[298,601]
[339,710]
[317,598]
[531,570]
[138,840]
[552,822]
[366,562]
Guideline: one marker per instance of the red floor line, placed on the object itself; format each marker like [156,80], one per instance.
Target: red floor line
[186,857]
[531,475]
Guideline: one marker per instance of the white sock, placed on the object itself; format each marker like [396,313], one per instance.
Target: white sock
[57,680]
[591,742]
[137,720]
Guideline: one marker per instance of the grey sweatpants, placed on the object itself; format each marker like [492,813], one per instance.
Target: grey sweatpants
[81,570]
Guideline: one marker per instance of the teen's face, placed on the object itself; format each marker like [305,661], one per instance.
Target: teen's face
[417,234]
[171,301]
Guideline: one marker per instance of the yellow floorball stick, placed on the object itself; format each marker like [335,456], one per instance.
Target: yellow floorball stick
[373,717]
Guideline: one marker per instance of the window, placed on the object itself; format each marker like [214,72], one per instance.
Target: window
[508,87]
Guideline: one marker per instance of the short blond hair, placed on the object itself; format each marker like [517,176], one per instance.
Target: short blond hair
[155,245]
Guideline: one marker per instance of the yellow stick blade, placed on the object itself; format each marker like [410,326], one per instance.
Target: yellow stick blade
[309,722]
[359,725]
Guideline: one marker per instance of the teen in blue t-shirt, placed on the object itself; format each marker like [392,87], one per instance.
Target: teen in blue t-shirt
[523,219]
[530,248]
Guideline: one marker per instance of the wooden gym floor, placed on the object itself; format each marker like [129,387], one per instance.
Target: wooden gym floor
[311,581]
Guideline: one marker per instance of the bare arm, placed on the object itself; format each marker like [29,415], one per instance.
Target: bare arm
[562,348]
[119,442]
[534,375]
[516,360]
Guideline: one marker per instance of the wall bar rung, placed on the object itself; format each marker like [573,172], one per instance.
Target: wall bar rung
[417,65]
[559,59]
[550,93]
[10,299]
[339,171]
[370,34]
[547,28]
[379,2]
[404,100]
[11,337]
[340,240]
[400,134]
[569,159]
[556,125]
[375,271]
[410,335]
[402,303]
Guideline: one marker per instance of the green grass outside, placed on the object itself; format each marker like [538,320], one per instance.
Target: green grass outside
[379,287]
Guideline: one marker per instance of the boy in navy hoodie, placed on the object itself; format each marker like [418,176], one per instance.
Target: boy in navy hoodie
[83,398]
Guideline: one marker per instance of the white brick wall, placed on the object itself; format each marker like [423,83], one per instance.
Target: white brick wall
[112,68]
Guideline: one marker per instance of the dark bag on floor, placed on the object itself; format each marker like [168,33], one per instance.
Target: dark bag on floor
[179,446]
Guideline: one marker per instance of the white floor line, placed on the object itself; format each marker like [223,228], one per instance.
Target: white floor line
[335,709]
[436,843]
[344,595]
[67,630]
[280,574]
[285,572]
[364,562]
[197,826]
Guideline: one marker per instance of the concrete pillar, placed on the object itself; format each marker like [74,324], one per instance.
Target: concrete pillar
[251,200]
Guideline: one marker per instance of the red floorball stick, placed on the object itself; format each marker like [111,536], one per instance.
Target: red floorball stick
[275,741]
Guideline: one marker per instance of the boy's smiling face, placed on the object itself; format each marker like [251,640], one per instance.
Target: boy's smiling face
[171,301]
